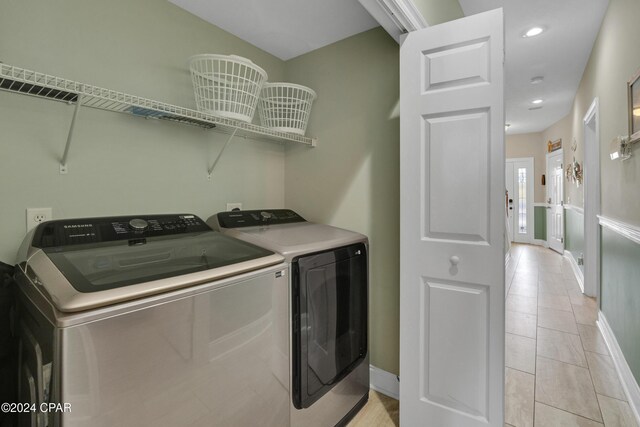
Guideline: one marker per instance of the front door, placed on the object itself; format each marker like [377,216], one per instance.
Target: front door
[452,224]
[555,204]
[519,181]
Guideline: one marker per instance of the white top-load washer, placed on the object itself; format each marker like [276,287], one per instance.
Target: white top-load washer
[329,309]
[151,320]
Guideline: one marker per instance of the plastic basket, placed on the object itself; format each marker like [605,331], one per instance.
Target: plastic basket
[286,107]
[226,86]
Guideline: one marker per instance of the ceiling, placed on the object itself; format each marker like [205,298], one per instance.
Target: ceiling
[559,54]
[284,28]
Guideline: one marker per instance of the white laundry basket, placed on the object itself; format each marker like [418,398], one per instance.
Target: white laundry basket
[286,107]
[226,85]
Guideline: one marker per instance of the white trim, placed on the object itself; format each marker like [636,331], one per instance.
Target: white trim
[384,382]
[541,242]
[576,270]
[624,229]
[397,17]
[575,209]
[543,205]
[592,199]
[629,383]
[555,152]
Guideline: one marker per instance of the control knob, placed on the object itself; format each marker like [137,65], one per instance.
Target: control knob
[138,225]
[266,216]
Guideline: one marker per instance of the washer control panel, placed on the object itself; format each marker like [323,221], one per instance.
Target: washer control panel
[237,219]
[108,229]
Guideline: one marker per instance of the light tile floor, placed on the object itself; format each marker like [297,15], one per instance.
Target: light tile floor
[559,371]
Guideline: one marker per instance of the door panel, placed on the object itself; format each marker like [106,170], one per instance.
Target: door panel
[452,224]
[441,380]
[457,205]
[456,66]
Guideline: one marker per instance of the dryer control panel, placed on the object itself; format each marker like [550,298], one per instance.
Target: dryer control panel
[68,232]
[237,219]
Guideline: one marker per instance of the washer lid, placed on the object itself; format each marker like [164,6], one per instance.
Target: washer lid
[88,276]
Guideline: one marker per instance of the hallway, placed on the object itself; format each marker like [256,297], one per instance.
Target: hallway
[559,372]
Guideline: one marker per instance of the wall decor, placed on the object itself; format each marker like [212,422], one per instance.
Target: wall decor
[633,90]
[555,145]
[574,173]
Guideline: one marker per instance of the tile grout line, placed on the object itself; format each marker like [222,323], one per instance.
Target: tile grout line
[588,366]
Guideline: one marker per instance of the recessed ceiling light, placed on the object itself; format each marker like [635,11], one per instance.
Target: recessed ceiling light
[537,101]
[532,32]
[537,79]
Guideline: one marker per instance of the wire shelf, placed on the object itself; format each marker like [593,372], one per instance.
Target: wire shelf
[18,80]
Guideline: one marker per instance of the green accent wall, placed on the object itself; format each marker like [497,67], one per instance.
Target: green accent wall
[540,222]
[574,233]
[620,293]
[352,178]
[438,11]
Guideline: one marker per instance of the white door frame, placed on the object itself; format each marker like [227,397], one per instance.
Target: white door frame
[591,128]
[531,232]
[550,206]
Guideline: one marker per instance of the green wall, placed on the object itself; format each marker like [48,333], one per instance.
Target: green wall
[540,222]
[120,164]
[439,11]
[620,293]
[351,179]
[574,233]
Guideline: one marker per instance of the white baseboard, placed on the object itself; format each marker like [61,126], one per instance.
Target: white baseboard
[629,383]
[576,270]
[384,382]
[541,242]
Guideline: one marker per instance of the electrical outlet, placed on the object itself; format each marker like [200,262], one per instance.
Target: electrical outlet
[232,206]
[37,215]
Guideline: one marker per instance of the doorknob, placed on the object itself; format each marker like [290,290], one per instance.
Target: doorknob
[454,260]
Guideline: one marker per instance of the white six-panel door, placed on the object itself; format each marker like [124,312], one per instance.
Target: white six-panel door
[452,213]
[555,205]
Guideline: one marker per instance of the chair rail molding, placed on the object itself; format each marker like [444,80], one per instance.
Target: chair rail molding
[631,232]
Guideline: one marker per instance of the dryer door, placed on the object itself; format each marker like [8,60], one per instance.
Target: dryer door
[329,320]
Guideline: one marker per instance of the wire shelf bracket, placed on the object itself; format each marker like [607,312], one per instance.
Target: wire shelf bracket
[26,82]
[65,156]
[215,162]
